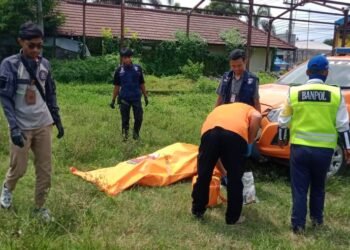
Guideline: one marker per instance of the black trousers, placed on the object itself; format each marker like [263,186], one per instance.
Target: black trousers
[125,107]
[231,149]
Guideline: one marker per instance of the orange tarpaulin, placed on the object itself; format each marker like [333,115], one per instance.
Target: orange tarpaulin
[164,167]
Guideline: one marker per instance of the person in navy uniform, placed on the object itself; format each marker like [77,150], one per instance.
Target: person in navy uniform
[314,119]
[238,84]
[28,98]
[129,85]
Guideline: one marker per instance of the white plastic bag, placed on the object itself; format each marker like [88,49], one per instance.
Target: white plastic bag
[249,194]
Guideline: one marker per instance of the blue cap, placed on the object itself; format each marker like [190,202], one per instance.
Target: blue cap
[319,62]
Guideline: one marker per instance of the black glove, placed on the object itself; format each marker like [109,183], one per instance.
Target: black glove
[18,137]
[146,100]
[60,129]
[112,104]
[224,181]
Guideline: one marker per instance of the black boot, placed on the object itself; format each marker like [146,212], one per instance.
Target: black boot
[135,135]
[125,135]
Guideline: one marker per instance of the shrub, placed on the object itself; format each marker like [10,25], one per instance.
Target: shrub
[92,69]
[192,70]
[232,39]
[134,43]
[167,57]
[266,77]
[206,85]
[215,64]
[110,44]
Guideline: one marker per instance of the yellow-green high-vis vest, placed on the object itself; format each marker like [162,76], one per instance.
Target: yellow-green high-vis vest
[315,109]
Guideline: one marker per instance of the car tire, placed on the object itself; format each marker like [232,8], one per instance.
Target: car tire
[338,163]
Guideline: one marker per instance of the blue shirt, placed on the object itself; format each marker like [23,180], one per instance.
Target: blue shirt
[129,78]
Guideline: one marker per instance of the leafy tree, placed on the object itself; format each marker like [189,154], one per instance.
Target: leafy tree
[138,3]
[110,44]
[222,8]
[240,9]
[15,12]
[328,41]
[167,57]
[232,39]
[265,26]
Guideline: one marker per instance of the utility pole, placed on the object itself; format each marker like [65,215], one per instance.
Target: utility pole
[122,20]
[40,20]
[307,38]
[84,29]
[249,36]
[189,16]
[345,26]
[290,32]
[122,16]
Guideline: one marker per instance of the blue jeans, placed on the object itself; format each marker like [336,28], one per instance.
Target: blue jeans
[308,168]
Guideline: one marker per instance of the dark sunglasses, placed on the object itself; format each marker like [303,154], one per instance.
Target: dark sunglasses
[33,45]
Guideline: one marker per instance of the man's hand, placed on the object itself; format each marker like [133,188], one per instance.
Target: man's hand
[146,100]
[249,149]
[348,156]
[224,181]
[60,129]
[18,137]
[282,143]
[112,104]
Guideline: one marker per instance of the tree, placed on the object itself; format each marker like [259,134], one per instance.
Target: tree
[15,12]
[223,8]
[232,39]
[240,9]
[265,26]
[138,3]
[328,41]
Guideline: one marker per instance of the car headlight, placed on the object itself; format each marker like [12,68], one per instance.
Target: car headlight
[273,115]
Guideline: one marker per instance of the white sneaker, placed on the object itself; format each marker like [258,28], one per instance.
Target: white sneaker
[241,219]
[44,214]
[6,197]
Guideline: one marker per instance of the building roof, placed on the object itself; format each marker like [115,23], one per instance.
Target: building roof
[155,25]
[312,45]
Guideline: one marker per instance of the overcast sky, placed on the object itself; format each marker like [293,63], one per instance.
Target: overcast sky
[317,32]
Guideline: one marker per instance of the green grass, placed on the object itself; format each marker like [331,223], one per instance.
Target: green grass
[152,218]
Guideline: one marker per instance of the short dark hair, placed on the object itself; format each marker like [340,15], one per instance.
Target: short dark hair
[30,30]
[237,54]
[317,71]
[126,52]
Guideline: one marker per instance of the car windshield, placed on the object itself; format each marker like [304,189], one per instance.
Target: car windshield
[338,74]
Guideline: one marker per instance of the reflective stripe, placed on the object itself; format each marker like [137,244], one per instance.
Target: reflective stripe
[315,134]
[280,134]
[285,134]
[316,138]
[347,143]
